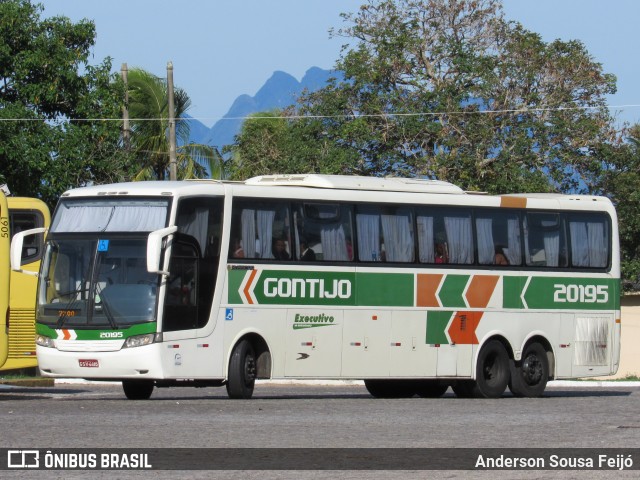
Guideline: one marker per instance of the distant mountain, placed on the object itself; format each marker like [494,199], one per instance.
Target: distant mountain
[279,91]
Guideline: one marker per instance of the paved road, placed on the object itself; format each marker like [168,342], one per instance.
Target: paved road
[99,416]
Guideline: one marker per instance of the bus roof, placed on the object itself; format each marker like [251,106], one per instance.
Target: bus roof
[347,182]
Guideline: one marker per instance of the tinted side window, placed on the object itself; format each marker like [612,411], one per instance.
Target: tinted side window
[385,234]
[445,235]
[590,241]
[545,240]
[498,238]
[261,230]
[22,220]
[323,232]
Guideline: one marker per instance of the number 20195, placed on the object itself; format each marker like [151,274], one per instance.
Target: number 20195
[581,293]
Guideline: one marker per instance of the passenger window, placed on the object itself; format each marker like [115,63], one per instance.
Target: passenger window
[589,240]
[545,244]
[498,238]
[444,236]
[261,230]
[385,234]
[323,232]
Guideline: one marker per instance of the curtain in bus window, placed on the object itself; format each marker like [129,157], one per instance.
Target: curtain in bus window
[248,227]
[513,251]
[368,237]
[551,244]
[133,218]
[118,218]
[486,248]
[196,225]
[265,232]
[426,241]
[579,244]
[398,240]
[460,239]
[334,243]
[598,243]
[588,243]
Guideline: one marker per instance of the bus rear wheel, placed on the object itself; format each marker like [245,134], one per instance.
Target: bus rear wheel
[492,371]
[137,389]
[242,371]
[431,388]
[532,373]
[390,388]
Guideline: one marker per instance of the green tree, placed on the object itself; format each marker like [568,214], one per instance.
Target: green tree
[149,112]
[451,90]
[275,142]
[50,98]
[620,181]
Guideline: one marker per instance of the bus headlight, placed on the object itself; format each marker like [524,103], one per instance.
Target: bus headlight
[45,341]
[142,340]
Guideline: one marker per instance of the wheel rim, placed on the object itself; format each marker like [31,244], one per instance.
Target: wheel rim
[531,369]
[492,370]
[249,370]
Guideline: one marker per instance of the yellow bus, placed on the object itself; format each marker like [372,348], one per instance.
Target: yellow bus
[24,213]
[5,239]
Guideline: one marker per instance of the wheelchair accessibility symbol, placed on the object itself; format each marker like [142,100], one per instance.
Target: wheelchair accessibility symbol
[228,316]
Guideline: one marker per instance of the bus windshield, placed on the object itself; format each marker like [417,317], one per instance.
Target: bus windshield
[95,271]
[97,282]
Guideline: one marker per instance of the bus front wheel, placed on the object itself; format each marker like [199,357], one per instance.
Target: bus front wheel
[530,377]
[137,389]
[242,371]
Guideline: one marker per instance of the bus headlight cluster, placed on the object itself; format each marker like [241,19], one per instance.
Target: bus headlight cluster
[45,341]
[142,340]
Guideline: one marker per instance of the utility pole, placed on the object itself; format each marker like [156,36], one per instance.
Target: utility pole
[173,174]
[125,109]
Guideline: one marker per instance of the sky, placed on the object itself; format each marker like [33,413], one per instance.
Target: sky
[221,49]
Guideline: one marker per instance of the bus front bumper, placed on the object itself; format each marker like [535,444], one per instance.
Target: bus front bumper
[127,363]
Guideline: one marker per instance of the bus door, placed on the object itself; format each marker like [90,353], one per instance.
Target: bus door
[190,287]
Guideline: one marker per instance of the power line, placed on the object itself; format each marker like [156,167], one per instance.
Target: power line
[351,115]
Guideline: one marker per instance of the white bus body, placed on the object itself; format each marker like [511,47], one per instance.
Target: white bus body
[413,286]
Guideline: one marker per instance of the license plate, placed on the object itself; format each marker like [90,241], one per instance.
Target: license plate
[89,363]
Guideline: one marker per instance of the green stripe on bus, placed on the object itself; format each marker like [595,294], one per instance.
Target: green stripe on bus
[99,334]
[452,290]
[385,289]
[437,322]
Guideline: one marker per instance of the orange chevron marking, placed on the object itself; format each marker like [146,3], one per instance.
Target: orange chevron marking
[513,202]
[428,284]
[463,328]
[480,290]
[247,287]
[67,334]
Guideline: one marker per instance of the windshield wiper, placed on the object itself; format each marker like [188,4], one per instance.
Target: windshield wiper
[64,313]
[107,311]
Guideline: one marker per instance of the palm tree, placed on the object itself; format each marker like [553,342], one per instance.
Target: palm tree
[149,112]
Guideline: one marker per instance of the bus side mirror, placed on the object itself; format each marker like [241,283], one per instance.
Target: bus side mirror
[16,249]
[154,249]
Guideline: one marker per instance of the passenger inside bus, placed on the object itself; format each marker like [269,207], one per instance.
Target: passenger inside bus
[306,254]
[280,250]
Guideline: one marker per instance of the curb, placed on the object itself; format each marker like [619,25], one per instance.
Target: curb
[28,382]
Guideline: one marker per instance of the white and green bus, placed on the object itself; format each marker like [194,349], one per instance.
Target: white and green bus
[411,285]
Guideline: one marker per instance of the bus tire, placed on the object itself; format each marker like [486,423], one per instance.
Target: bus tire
[242,371]
[530,375]
[137,389]
[390,388]
[464,388]
[431,388]
[492,371]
